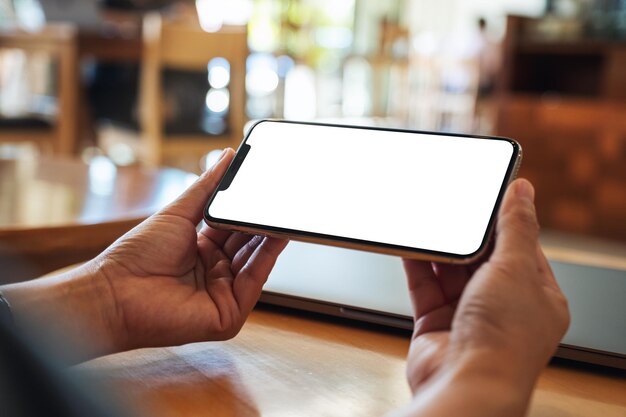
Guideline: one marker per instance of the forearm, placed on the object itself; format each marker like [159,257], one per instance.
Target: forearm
[73,308]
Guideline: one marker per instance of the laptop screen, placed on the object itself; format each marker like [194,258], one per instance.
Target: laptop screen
[372,282]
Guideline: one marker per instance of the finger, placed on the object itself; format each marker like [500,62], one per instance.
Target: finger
[243,255]
[217,236]
[517,232]
[250,280]
[424,289]
[452,279]
[437,320]
[235,242]
[546,269]
[229,242]
[191,204]
[211,253]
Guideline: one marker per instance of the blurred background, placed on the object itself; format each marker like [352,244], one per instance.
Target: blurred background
[126,86]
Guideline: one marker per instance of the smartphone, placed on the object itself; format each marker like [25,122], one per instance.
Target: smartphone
[420,195]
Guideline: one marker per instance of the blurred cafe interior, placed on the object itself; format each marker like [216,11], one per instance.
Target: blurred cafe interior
[108,109]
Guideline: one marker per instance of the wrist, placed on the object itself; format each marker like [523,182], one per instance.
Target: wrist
[509,365]
[495,364]
[495,379]
[77,306]
[475,383]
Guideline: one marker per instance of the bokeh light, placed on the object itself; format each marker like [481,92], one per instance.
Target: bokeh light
[262,77]
[219,72]
[218,100]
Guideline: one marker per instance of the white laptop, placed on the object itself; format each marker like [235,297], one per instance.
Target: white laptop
[370,287]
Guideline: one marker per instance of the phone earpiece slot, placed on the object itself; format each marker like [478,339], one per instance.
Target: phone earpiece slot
[234,167]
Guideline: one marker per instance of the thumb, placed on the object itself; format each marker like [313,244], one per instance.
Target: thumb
[517,232]
[190,205]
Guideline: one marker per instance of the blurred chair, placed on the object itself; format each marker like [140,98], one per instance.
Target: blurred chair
[457,94]
[376,84]
[60,42]
[181,45]
[390,66]
[423,91]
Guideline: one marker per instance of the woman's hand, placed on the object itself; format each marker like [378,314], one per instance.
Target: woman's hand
[483,333]
[160,284]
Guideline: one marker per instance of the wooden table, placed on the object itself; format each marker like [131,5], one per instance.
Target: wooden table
[287,364]
[57,212]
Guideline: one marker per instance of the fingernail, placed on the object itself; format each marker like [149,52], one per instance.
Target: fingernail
[223,154]
[210,168]
[525,190]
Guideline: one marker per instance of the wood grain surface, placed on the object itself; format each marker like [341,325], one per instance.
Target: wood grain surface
[296,364]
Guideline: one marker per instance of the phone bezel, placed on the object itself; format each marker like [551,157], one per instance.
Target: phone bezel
[351,243]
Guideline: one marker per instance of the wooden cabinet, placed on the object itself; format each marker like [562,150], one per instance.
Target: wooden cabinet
[565,101]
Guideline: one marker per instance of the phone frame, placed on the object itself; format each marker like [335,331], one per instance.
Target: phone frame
[358,244]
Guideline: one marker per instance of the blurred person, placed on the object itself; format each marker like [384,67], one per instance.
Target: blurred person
[483,333]
[488,53]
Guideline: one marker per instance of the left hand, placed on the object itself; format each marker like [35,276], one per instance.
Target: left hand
[171,285]
[161,284]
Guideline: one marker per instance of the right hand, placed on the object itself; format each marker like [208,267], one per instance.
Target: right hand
[503,317]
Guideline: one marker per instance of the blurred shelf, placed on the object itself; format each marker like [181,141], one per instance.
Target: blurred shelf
[110,47]
[565,102]
[567,47]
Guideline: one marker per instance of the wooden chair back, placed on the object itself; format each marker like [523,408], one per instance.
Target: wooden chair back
[185,46]
[60,42]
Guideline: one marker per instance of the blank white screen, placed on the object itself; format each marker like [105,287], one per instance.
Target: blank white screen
[410,189]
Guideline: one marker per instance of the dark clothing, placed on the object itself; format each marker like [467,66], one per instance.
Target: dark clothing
[31,386]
